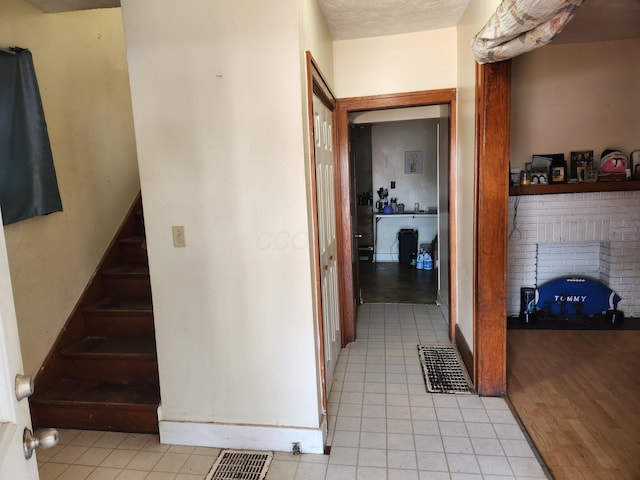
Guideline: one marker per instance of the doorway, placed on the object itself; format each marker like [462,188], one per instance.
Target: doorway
[401,184]
[347,108]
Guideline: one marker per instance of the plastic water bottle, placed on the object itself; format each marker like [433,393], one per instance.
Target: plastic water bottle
[428,262]
[420,261]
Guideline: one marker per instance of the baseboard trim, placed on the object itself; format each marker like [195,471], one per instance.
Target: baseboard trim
[244,437]
[465,352]
[444,307]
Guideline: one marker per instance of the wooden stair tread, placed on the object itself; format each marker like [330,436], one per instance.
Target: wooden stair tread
[113,346]
[130,270]
[118,306]
[67,391]
[133,240]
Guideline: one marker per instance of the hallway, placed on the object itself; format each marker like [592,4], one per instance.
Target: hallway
[383,425]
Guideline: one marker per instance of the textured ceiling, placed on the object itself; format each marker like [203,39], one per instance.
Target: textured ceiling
[597,20]
[348,19]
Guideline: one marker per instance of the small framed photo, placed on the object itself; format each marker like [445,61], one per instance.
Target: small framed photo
[413,162]
[549,162]
[591,175]
[581,170]
[539,178]
[558,174]
[634,163]
[580,158]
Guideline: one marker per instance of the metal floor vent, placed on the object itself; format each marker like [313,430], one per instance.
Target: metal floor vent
[240,465]
[443,369]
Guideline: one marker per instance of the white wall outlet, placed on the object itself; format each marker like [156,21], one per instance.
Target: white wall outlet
[178,236]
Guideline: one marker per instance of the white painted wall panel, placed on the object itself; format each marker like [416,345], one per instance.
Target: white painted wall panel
[395,63]
[218,109]
[474,18]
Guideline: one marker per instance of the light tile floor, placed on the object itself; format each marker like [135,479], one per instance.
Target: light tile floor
[383,425]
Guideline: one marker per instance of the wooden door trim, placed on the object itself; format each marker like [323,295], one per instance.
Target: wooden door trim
[381,102]
[493,109]
[316,84]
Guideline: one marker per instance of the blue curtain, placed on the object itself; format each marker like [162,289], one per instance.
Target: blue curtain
[28,184]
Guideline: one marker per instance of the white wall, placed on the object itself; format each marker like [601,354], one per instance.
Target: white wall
[390,141]
[80,63]
[396,63]
[315,37]
[474,18]
[575,97]
[218,107]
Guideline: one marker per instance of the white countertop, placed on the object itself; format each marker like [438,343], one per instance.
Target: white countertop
[407,214]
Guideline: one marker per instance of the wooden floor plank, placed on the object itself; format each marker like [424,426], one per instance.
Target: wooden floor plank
[578,395]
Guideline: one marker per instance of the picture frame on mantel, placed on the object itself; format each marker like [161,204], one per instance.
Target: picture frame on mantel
[414,162]
[558,174]
[580,161]
[634,162]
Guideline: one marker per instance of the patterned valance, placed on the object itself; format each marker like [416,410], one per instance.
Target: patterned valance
[519,26]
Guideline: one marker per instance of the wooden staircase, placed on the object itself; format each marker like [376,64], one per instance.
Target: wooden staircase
[102,372]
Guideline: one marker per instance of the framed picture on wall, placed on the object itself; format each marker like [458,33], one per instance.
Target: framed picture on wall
[413,162]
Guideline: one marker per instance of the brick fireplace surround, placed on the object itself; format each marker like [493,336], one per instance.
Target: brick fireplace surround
[596,234]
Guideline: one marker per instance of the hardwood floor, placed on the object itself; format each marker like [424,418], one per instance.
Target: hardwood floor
[392,282]
[578,395]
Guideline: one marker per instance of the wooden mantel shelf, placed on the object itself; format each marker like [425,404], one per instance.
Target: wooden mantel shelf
[575,188]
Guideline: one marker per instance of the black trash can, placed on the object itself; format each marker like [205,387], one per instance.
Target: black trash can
[407,244]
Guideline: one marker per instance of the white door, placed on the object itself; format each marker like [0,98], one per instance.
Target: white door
[325,191]
[14,414]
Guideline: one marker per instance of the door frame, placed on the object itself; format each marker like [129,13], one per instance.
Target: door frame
[345,106]
[316,84]
[493,113]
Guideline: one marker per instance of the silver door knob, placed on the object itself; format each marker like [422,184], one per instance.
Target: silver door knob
[24,386]
[357,235]
[45,438]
